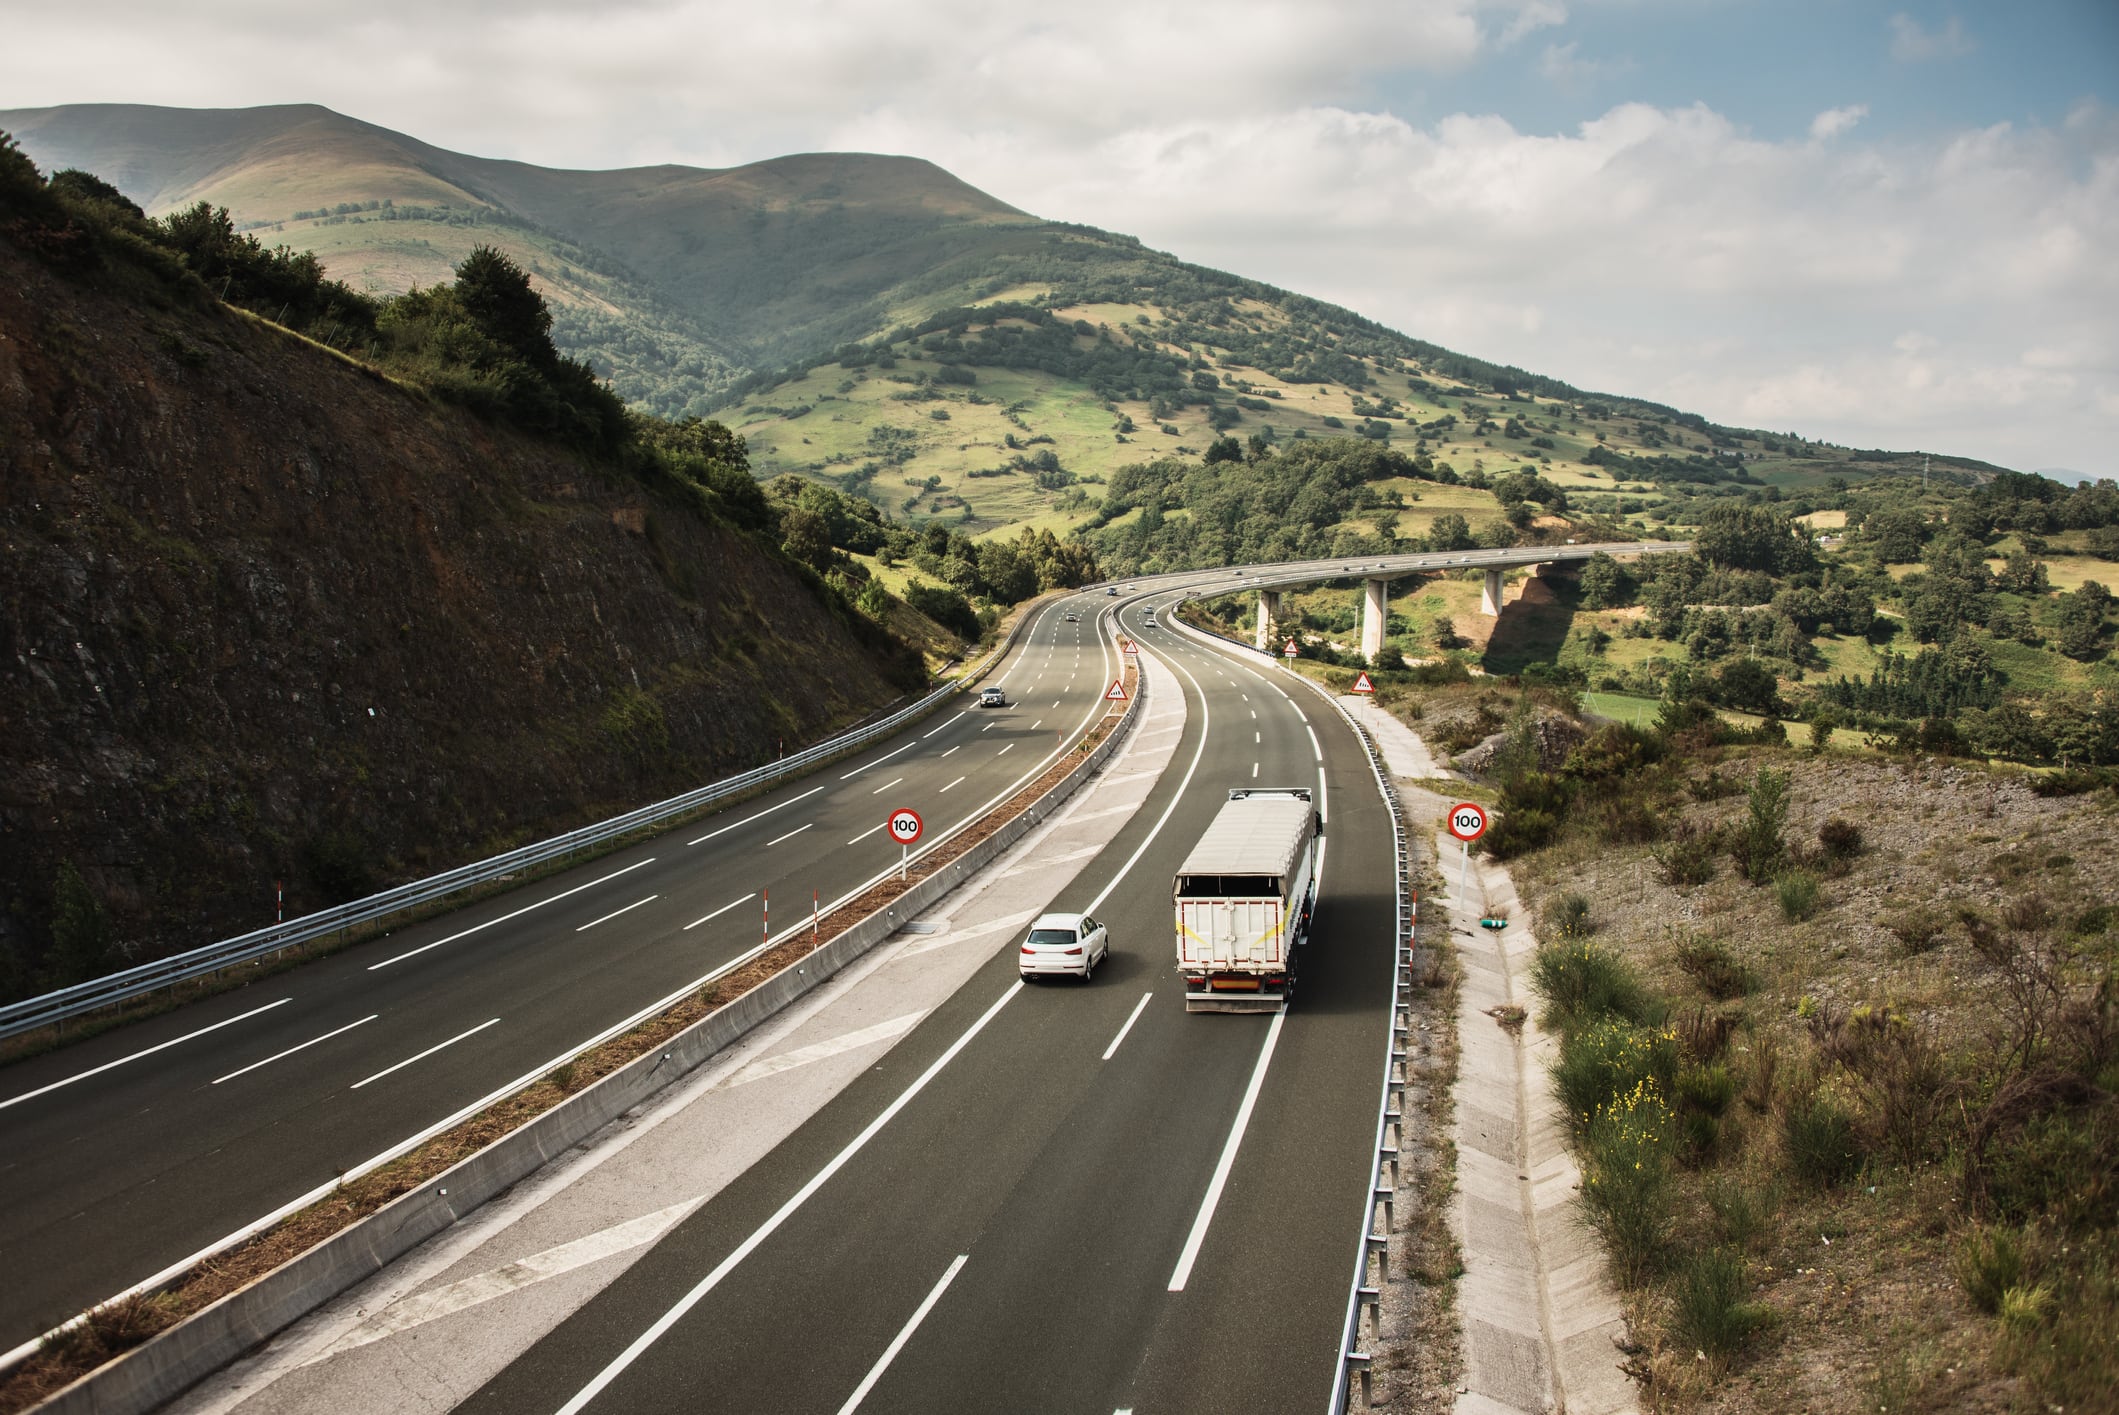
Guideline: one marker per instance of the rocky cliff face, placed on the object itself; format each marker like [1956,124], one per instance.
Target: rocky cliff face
[265,615]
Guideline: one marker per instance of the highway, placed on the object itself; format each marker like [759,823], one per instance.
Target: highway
[1055,1197]
[1043,1197]
[129,1152]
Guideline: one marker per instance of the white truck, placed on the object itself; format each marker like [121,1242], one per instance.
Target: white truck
[1244,897]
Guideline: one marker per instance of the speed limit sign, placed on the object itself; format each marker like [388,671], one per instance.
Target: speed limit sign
[905,826]
[1466,821]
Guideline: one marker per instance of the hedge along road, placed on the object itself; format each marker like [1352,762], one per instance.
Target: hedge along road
[1054,1197]
[129,1152]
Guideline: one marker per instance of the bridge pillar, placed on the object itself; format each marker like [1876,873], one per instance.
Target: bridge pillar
[1375,617]
[1268,620]
[1490,596]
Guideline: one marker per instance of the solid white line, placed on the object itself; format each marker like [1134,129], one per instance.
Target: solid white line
[957,748]
[886,786]
[162,1046]
[726,907]
[414,953]
[1133,1017]
[877,762]
[1315,746]
[866,833]
[616,912]
[1206,721]
[789,836]
[425,1054]
[897,1344]
[952,785]
[1183,1272]
[758,817]
[292,1050]
[951,722]
[766,1230]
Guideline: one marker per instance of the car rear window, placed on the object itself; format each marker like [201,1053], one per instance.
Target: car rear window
[1051,936]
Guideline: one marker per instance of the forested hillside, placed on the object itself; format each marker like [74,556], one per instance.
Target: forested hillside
[284,615]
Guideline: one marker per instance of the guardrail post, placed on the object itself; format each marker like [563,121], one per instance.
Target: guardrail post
[1360,1361]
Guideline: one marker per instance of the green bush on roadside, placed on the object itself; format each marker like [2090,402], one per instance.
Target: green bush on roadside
[1710,1312]
[1799,895]
[1822,1146]
[1608,1058]
[1626,1180]
[1581,981]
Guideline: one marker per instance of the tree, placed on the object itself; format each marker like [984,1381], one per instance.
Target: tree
[1450,532]
[806,537]
[1752,538]
[1749,686]
[496,293]
[1605,583]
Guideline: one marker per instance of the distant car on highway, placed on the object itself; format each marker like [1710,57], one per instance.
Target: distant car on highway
[1063,944]
[1112,592]
[1073,618]
[992,697]
[1150,621]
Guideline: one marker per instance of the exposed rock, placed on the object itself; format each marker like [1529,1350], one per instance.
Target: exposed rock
[1557,736]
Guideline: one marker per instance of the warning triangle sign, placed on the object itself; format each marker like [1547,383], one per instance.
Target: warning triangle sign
[1117,692]
[1363,685]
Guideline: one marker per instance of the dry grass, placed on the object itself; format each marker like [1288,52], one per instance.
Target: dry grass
[1887,1005]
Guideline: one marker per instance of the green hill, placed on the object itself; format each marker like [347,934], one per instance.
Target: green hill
[876,323]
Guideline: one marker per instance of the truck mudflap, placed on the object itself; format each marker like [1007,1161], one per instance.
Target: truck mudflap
[1238,992]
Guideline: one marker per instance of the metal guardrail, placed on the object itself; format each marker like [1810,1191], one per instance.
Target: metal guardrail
[98,993]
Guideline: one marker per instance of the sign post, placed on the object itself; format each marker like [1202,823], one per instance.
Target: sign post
[1364,684]
[1467,821]
[1289,652]
[905,828]
[1116,693]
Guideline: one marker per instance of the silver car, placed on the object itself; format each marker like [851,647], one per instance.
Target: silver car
[1069,945]
[992,697]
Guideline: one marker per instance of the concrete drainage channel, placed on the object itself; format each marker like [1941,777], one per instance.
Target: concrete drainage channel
[154,1373]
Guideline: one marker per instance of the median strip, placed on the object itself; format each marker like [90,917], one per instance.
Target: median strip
[286,1269]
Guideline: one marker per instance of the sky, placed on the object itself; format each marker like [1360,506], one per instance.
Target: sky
[1885,225]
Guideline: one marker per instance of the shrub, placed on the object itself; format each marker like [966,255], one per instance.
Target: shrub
[1711,1313]
[1822,1148]
[2023,1308]
[1709,1088]
[1917,927]
[1611,1058]
[1626,1181]
[1714,968]
[1799,895]
[1569,918]
[1689,857]
[2028,913]
[1581,982]
[1839,839]
[1743,1214]
[1765,1072]
[1988,1262]
[1759,849]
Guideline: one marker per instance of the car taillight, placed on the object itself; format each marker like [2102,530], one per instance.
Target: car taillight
[1072,952]
[1028,949]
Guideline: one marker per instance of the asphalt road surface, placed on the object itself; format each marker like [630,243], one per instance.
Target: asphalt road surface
[1054,1197]
[133,1150]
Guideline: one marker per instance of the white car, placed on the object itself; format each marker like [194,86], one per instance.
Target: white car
[1065,944]
[1073,618]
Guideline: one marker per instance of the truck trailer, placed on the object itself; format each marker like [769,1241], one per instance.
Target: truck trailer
[1244,897]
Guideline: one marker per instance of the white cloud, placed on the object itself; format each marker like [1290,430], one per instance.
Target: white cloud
[1834,121]
[1659,251]
[1910,44]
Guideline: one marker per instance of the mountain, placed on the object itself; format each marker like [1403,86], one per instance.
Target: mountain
[278,616]
[878,324]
